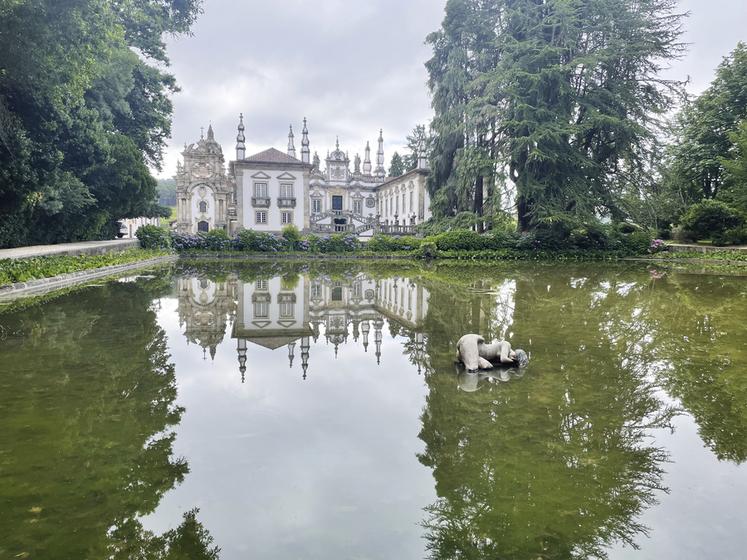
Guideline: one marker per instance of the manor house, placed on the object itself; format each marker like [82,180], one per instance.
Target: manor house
[270,189]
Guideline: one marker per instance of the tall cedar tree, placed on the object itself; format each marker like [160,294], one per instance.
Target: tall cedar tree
[565,95]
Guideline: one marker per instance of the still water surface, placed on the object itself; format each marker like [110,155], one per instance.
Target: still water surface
[315,411]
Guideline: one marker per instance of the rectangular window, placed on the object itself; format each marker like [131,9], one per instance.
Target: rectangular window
[286,190]
[357,207]
[286,218]
[260,190]
[261,285]
[316,204]
[411,206]
[261,217]
[337,202]
[286,309]
[261,310]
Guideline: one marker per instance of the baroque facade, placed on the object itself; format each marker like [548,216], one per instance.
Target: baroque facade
[271,189]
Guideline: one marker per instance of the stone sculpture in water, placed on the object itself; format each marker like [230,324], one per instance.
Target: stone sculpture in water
[475,354]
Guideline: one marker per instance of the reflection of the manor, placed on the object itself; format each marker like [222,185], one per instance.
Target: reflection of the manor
[296,312]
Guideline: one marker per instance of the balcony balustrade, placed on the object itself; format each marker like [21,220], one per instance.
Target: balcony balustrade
[285,202]
[260,202]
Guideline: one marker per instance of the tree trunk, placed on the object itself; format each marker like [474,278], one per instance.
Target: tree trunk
[479,202]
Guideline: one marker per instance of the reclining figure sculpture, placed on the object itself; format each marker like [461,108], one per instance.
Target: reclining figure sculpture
[475,354]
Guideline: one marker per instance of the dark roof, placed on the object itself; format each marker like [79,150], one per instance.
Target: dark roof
[273,156]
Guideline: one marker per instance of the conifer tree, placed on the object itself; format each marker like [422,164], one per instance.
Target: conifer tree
[397,166]
[564,95]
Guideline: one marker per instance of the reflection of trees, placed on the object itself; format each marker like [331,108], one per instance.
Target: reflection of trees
[88,405]
[189,541]
[552,465]
[693,325]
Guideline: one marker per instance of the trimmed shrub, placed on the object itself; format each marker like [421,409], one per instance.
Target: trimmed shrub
[258,242]
[339,243]
[427,250]
[291,235]
[385,244]
[153,237]
[501,239]
[736,236]
[216,240]
[711,219]
[460,240]
[186,241]
[637,243]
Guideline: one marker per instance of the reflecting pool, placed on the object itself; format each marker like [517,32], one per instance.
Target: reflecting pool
[314,410]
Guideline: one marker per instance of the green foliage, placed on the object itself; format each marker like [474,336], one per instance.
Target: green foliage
[82,114]
[380,243]
[568,99]
[428,250]
[419,139]
[216,240]
[711,219]
[291,235]
[460,240]
[463,220]
[257,241]
[23,270]
[397,165]
[708,131]
[339,243]
[735,187]
[153,237]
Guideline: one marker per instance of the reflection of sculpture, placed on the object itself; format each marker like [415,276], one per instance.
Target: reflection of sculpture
[475,354]
[469,382]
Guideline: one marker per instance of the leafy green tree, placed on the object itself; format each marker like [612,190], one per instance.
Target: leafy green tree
[397,166]
[735,166]
[565,95]
[708,130]
[75,98]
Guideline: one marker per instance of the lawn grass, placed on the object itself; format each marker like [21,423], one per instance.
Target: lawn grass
[23,270]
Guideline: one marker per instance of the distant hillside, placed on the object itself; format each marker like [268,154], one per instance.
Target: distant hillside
[167,192]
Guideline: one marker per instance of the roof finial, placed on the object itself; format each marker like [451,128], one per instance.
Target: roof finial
[337,143]
[305,151]
[202,133]
[240,139]
[291,146]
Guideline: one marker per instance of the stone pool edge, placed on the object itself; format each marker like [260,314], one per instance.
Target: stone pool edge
[42,285]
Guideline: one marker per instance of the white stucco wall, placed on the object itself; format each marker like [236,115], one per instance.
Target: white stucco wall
[273,178]
[130,225]
[404,198]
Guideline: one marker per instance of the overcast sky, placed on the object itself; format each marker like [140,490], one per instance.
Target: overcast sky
[349,66]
